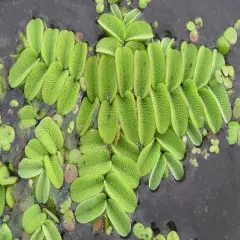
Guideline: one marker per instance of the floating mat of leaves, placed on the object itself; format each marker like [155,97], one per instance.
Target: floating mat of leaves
[35,150]
[108,45]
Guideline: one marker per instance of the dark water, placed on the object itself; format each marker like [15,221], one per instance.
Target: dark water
[206,206]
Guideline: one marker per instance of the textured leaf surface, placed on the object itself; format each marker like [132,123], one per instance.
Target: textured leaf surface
[161,106]
[107,78]
[38,235]
[146,120]
[96,162]
[34,81]
[172,143]
[172,236]
[65,46]
[134,46]
[35,150]
[113,26]
[174,69]
[108,121]
[142,77]
[157,173]
[133,16]
[53,83]
[148,157]
[43,188]
[33,218]
[27,116]
[116,11]
[49,45]
[218,61]
[139,31]
[86,187]
[203,70]
[50,231]
[127,116]
[29,168]
[120,192]
[85,114]
[125,148]
[34,33]
[124,68]
[194,103]
[91,208]
[127,170]
[25,63]
[175,166]
[50,135]
[211,109]
[5,232]
[194,134]
[68,96]
[54,171]
[78,60]
[91,78]
[2,199]
[108,45]
[157,64]
[179,112]
[118,218]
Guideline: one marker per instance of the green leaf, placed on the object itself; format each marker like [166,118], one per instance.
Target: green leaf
[86,187]
[113,26]
[5,232]
[29,168]
[2,199]
[108,45]
[120,192]
[233,130]
[134,46]
[27,116]
[236,109]
[191,26]
[50,231]
[51,215]
[35,150]
[223,46]
[9,197]
[116,11]
[172,236]
[7,134]
[43,188]
[138,31]
[194,134]
[132,16]
[33,218]
[166,43]
[118,218]
[231,35]
[91,208]
[218,62]
[38,235]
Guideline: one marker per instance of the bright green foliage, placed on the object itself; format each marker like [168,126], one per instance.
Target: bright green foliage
[134,46]
[157,173]
[236,109]
[68,96]
[125,148]
[54,171]
[203,69]
[91,140]
[38,235]
[148,157]
[108,45]
[211,109]
[27,116]
[43,188]
[142,233]
[25,63]
[231,35]
[34,33]
[133,16]
[90,209]
[233,132]
[161,106]
[50,231]
[179,112]
[107,78]
[127,116]
[189,59]
[223,45]
[116,10]
[191,26]
[194,103]
[174,69]
[34,81]
[53,83]
[194,134]
[35,150]
[9,197]
[50,135]
[175,166]
[172,143]
[218,62]
[142,76]
[51,215]
[2,199]
[65,46]
[86,187]
[166,43]
[5,232]
[221,96]
[91,78]
[78,60]
[33,218]
[124,68]
[7,134]
[172,236]
[108,121]
[157,64]
[49,45]
[118,218]
[96,162]
[85,114]
[120,192]
[127,170]
[29,168]
[113,26]
[139,31]
[146,120]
